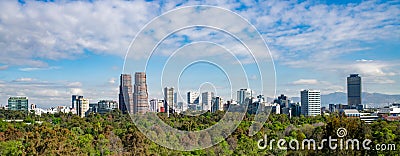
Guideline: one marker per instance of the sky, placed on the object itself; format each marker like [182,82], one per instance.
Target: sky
[50,50]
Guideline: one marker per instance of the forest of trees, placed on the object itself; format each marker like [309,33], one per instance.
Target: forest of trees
[116,134]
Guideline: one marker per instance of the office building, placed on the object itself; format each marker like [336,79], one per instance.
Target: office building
[74,101]
[183,106]
[125,94]
[175,99]
[18,103]
[153,107]
[140,95]
[244,95]
[160,105]
[217,104]
[206,99]
[105,106]
[353,90]
[295,108]
[193,100]
[63,109]
[169,99]
[193,97]
[282,100]
[275,108]
[82,106]
[310,102]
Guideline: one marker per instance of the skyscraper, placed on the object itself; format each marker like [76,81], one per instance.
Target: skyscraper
[74,100]
[310,102]
[18,103]
[169,98]
[353,90]
[206,99]
[125,94]
[193,97]
[140,95]
[244,95]
[216,104]
[82,106]
[193,100]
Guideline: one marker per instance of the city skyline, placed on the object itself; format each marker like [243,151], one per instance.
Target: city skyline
[49,64]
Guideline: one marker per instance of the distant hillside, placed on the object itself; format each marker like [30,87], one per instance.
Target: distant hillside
[371,99]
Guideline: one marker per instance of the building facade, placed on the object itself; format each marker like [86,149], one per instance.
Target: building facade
[310,102]
[169,99]
[243,96]
[140,95]
[74,101]
[153,106]
[105,106]
[217,104]
[18,103]
[206,100]
[193,97]
[125,94]
[353,90]
[82,106]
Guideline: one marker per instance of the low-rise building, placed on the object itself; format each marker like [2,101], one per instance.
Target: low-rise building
[18,103]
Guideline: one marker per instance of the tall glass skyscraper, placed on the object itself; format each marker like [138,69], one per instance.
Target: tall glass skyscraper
[125,94]
[75,100]
[353,90]
[243,95]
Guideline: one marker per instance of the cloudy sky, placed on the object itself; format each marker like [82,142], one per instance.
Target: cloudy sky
[51,50]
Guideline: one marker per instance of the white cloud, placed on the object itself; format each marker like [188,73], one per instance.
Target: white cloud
[309,30]
[74,84]
[76,91]
[38,31]
[24,79]
[306,82]
[36,68]
[112,80]
[46,93]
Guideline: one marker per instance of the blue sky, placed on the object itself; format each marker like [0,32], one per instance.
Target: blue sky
[51,50]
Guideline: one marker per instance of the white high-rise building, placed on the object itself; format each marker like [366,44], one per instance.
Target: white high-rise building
[206,99]
[244,95]
[82,106]
[310,102]
[169,98]
[193,100]
[153,105]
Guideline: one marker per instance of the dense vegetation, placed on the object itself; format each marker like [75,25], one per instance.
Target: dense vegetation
[115,134]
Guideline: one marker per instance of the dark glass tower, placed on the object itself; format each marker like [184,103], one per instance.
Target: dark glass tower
[353,90]
[125,94]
